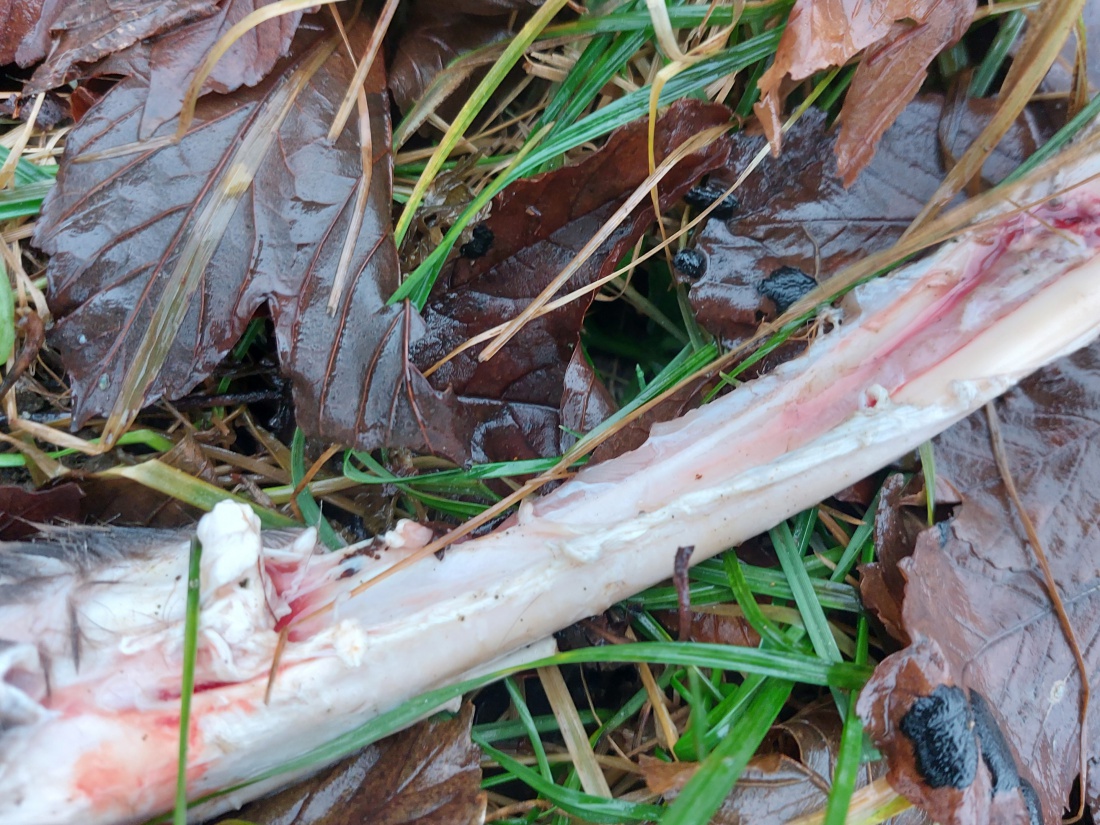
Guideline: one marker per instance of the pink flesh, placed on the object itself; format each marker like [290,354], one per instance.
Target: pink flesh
[928,346]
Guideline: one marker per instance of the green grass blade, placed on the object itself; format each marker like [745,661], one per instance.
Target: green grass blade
[928,467]
[157,475]
[716,776]
[851,746]
[795,667]
[27,172]
[594,52]
[851,735]
[681,17]
[1011,26]
[1058,140]
[524,713]
[478,98]
[628,108]
[187,683]
[607,64]
[589,808]
[145,438]
[514,728]
[23,201]
[7,316]
[813,615]
[710,585]
[307,504]
[860,540]
[687,362]
[765,627]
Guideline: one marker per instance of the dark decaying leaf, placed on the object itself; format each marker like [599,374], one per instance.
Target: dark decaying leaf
[436,35]
[712,627]
[74,32]
[485,8]
[17,20]
[171,60]
[126,503]
[117,228]
[901,516]
[538,226]
[795,212]
[22,510]
[789,777]
[120,229]
[899,39]
[636,430]
[979,717]
[429,774]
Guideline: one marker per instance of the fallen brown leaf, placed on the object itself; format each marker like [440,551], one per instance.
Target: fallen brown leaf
[85,31]
[989,672]
[710,627]
[536,227]
[171,60]
[795,211]
[437,34]
[429,774]
[17,20]
[281,243]
[899,39]
[21,511]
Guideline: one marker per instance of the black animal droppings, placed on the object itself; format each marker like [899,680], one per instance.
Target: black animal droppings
[995,751]
[939,728]
[945,729]
[785,286]
[999,760]
[481,241]
[704,194]
[691,262]
[1031,799]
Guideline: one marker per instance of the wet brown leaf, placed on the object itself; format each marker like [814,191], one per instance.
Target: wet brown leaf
[22,510]
[171,60]
[979,717]
[487,8]
[881,584]
[899,38]
[122,502]
[280,243]
[74,32]
[436,35]
[17,20]
[901,516]
[429,774]
[795,212]
[536,228]
[713,628]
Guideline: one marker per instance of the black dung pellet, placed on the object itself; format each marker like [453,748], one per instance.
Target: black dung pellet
[701,196]
[939,727]
[995,751]
[480,242]
[785,286]
[999,760]
[1031,799]
[691,262]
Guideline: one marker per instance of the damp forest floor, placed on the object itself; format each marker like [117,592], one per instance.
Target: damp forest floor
[739,702]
